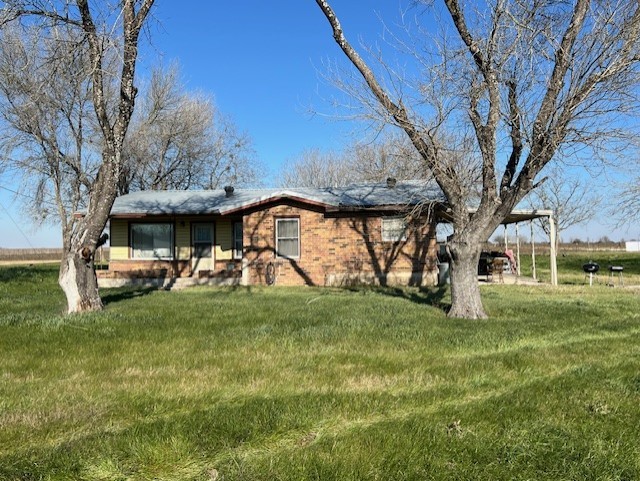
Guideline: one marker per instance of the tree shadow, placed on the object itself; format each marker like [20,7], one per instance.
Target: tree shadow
[260,252]
[436,296]
[119,294]
[414,248]
[381,260]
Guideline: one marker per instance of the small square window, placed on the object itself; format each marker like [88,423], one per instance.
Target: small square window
[394,229]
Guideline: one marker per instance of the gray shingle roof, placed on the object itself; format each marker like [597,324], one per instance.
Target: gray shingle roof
[190,202]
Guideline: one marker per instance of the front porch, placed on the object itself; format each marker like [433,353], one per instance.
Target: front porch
[166,283]
[168,274]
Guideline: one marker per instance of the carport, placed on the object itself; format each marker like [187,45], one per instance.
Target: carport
[528,215]
[518,216]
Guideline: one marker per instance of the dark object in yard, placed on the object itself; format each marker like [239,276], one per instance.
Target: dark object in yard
[613,270]
[591,269]
[486,258]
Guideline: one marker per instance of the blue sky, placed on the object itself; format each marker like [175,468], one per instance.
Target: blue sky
[261,62]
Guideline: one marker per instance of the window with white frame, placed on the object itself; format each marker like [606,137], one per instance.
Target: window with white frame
[152,241]
[394,229]
[237,240]
[288,238]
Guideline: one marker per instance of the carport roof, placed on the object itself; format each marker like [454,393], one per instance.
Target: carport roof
[521,215]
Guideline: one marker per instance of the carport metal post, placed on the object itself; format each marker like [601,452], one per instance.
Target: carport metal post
[506,237]
[533,252]
[552,250]
[517,250]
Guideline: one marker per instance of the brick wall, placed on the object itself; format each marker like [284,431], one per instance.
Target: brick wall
[147,268]
[339,250]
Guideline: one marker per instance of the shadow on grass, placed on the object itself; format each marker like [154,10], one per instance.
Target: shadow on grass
[125,293]
[430,296]
[27,272]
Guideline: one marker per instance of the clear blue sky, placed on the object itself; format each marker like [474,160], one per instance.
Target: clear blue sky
[261,61]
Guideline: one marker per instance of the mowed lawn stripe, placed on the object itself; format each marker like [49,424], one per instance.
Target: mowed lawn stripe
[306,383]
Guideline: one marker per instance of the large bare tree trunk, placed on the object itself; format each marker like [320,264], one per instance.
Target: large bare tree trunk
[78,280]
[77,276]
[465,292]
[84,241]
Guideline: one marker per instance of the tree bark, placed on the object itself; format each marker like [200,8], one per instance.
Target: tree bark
[465,292]
[77,276]
[78,280]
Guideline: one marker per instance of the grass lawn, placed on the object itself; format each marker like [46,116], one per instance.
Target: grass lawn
[570,266]
[321,384]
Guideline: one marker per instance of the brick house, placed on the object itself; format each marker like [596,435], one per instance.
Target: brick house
[365,233]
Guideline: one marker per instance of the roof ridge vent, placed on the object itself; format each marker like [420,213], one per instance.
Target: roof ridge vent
[391,182]
[228,190]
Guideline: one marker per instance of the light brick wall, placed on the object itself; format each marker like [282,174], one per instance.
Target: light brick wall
[333,250]
[338,250]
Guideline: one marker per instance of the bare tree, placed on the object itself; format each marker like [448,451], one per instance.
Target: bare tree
[573,201]
[70,32]
[525,82]
[627,208]
[179,140]
[44,129]
[387,156]
[315,168]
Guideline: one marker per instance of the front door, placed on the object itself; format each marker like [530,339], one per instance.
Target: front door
[202,247]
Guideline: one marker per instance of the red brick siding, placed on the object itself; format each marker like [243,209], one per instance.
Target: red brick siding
[332,247]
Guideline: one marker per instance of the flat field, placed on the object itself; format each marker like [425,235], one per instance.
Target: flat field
[318,384]
[570,266]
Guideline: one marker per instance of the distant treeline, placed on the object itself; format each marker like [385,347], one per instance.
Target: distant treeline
[54,254]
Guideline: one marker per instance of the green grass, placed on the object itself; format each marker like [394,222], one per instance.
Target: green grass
[570,266]
[322,384]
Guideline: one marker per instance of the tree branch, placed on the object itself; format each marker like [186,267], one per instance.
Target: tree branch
[397,111]
[516,136]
